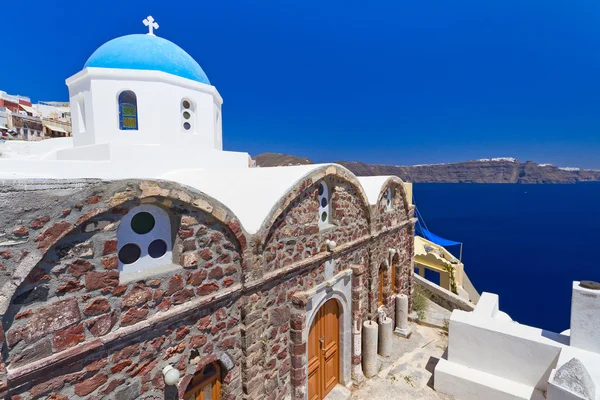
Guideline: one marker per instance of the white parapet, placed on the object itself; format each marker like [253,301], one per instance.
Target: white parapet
[585,316]
[470,384]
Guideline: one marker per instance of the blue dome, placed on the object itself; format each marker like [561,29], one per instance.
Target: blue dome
[147,52]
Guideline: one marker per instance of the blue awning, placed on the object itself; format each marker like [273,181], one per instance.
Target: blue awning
[432,237]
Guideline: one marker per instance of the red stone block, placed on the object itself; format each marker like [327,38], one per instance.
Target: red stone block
[88,215]
[176,283]
[185,233]
[6,254]
[21,231]
[197,341]
[182,332]
[221,314]
[118,367]
[51,235]
[204,322]
[197,277]
[125,353]
[79,267]
[69,287]
[207,289]
[97,306]
[137,296]
[164,305]
[93,199]
[46,320]
[215,273]
[206,254]
[183,296]
[134,315]
[98,280]
[111,262]
[89,385]
[39,222]
[119,290]
[110,246]
[100,326]
[154,283]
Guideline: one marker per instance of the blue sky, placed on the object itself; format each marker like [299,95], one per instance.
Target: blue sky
[394,81]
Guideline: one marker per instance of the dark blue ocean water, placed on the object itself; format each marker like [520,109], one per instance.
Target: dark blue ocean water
[527,243]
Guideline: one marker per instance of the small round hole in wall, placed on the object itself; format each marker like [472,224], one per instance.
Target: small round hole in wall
[129,253]
[142,223]
[321,189]
[186,104]
[157,248]
[323,202]
[186,115]
[324,217]
[187,126]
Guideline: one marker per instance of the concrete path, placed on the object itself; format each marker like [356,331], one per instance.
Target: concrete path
[407,373]
[435,316]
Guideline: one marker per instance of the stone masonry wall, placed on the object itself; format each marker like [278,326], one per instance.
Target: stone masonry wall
[73,327]
[349,217]
[72,307]
[399,212]
[274,363]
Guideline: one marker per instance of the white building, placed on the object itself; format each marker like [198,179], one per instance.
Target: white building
[138,99]
[494,358]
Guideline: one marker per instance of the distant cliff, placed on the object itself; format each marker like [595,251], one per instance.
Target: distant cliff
[497,170]
[278,160]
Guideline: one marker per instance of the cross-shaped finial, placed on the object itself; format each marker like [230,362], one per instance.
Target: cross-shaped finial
[151,24]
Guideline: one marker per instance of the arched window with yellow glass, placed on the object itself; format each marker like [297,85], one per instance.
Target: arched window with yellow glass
[128,113]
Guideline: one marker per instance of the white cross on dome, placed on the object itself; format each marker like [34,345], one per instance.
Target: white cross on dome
[151,24]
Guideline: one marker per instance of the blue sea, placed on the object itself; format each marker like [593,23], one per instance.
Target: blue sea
[527,243]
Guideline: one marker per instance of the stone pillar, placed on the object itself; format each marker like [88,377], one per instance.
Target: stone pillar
[369,349]
[385,337]
[402,326]
[359,300]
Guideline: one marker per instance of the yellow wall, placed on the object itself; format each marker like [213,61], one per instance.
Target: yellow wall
[408,189]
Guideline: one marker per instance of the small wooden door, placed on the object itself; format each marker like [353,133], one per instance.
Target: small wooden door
[206,384]
[323,351]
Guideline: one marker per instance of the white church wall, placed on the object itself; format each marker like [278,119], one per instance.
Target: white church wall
[159,98]
[80,99]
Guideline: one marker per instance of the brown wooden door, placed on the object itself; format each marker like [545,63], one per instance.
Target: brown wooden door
[323,351]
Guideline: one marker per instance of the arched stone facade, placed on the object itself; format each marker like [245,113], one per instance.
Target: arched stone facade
[73,325]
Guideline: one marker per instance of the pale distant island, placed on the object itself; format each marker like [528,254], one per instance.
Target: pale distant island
[485,170]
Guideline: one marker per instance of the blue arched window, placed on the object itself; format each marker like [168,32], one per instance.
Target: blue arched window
[128,115]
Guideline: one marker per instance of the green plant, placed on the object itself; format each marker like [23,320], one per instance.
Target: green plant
[410,380]
[393,378]
[450,270]
[419,303]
